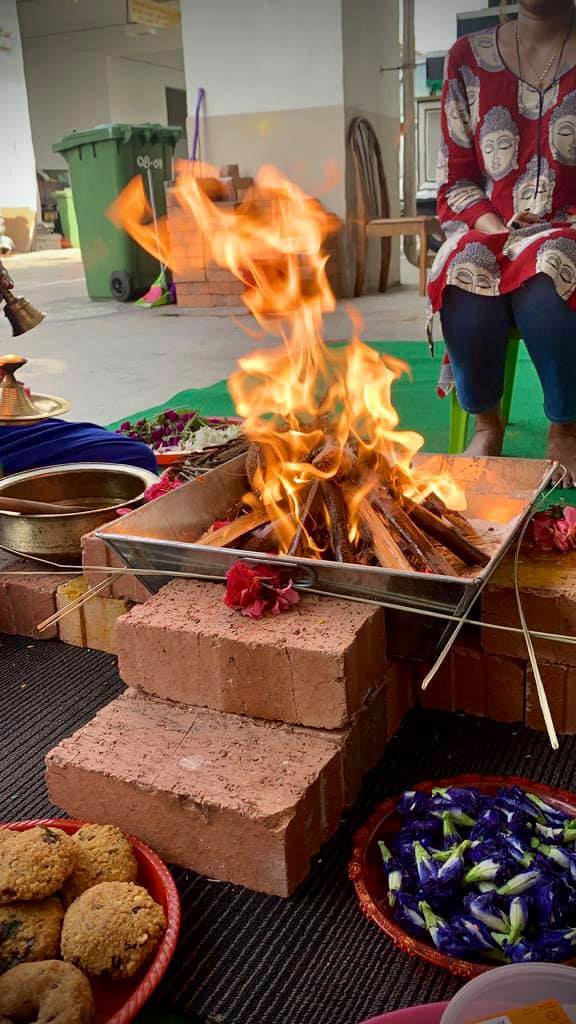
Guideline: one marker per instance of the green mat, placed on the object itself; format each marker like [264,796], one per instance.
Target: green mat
[419,407]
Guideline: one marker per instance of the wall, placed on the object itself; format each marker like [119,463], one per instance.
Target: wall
[17,172]
[370,31]
[66,90]
[436,22]
[136,89]
[273,78]
[85,66]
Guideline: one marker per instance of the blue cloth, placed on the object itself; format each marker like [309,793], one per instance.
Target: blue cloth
[477,328]
[57,443]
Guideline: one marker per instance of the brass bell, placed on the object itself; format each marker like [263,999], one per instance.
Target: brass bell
[18,406]
[21,313]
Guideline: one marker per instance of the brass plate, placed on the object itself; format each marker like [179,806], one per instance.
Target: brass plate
[48,406]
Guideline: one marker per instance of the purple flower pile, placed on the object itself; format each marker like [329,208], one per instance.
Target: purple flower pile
[485,877]
[166,430]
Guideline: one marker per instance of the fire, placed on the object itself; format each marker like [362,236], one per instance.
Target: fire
[316,413]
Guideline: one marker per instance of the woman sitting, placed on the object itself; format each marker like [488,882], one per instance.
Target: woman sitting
[507,202]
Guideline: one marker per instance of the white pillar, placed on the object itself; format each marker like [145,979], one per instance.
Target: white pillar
[282,80]
[18,192]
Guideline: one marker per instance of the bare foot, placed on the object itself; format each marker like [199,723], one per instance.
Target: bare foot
[562,449]
[488,434]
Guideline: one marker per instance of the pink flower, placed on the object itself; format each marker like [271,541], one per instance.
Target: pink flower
[565,532]
[555,530]
[543,531]
[164,485]
[254,590]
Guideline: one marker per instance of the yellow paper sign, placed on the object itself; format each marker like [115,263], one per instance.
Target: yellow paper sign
[153,14]
[549,1012]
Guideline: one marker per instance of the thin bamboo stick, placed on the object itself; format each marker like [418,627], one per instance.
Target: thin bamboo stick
[74,605]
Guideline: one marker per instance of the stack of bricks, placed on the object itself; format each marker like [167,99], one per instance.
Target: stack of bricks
[488,672]
[201,283]
[238,744]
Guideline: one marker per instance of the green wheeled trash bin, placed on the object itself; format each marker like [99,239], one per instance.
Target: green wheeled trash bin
[101,162]
[69,224]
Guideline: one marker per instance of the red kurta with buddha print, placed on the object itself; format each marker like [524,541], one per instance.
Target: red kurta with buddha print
[506,148]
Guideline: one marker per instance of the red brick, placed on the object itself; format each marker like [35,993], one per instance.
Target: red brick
[313,666]
[400,689]
[548,591]
[230,171]
[96,553]
[215,273]
[560,685]
[188,274]
[236,799]
[193,301]
[477,683]
[234,287]
[25,601]
[227,300]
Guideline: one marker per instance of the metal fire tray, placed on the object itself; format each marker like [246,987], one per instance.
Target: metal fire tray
[500,494]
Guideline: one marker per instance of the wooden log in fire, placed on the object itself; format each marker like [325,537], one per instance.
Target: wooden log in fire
[298,538]
[337,522]
[448,535]
[239,527]
[379,540]
[418,542]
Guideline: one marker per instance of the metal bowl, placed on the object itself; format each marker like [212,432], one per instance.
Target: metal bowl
[101,487]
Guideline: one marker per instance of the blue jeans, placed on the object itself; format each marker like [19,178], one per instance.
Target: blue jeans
[477,328]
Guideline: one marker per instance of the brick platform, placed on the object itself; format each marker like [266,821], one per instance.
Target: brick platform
[27,600]
[312,667]
[95,552]
[548,589]
[231,797]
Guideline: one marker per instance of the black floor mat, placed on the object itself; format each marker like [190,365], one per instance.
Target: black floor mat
[244,958]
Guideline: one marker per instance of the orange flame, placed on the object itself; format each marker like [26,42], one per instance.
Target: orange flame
[304,393]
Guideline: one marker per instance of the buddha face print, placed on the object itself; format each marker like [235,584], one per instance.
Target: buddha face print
[472,86]
[485,50]
[499,142]
[462,195]
[458,115]
[534,193]
[562,131]
[529,100]
[442,165]
[475,269]
[454,230]
[557,258]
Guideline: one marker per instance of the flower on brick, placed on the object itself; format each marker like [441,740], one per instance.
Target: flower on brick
[257,589]
[555,530]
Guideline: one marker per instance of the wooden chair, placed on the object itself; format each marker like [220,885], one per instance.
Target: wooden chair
[373,208]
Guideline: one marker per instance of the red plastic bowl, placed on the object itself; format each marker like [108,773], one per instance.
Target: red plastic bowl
[119,1002]
[366,872]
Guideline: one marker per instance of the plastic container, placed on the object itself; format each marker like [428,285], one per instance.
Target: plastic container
[489,997]
[69,224]
[102,161]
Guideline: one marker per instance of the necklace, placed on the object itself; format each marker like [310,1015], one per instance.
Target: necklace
[557,54]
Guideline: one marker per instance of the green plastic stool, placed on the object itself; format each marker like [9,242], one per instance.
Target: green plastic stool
[459,418]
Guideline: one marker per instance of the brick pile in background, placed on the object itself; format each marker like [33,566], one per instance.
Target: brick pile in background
[200,283]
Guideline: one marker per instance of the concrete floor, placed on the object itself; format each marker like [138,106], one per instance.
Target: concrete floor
[110,359]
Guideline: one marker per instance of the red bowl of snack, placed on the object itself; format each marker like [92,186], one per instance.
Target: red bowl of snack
[369,878]
[119,1002]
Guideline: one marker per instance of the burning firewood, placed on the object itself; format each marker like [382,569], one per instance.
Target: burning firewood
[298,538]
[239,527]
[448,535]
[337,522]
[378,539]
[417,540]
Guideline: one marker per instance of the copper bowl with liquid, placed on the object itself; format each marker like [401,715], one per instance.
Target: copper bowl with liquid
[99,487]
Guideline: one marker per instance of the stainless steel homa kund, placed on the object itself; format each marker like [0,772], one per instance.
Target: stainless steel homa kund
[500,494]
